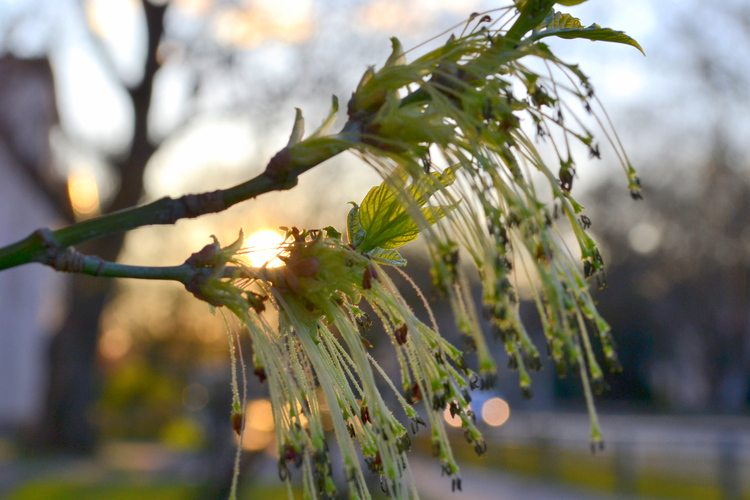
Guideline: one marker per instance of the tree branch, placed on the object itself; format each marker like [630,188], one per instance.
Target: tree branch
[68,259]
[132,167]
[281,173]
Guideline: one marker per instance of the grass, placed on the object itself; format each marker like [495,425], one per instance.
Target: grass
[64,489]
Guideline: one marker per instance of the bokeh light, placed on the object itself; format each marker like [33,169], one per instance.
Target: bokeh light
[259,425]
[106,17]
[495,412]
[451,420]
[115,342]
[84,194]
[195,397]
[249,25]
[644,238]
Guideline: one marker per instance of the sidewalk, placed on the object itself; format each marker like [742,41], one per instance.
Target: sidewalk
[479,484]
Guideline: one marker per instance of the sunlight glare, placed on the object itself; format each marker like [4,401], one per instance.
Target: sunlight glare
[262,248]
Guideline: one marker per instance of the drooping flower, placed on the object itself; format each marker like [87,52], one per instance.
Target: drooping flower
[317,355]
[451,134]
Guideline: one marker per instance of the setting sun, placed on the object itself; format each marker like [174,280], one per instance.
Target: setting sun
[262,248]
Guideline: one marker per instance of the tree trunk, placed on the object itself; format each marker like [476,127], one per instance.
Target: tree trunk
[68,420]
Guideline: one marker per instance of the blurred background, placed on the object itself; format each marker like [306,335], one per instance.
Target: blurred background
[121,389]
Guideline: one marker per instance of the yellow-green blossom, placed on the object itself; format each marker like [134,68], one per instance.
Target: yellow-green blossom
[454,133]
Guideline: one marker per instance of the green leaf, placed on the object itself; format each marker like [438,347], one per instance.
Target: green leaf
[424,187]
[530,14]
[382,224]
[390,257]
[354,231]
[298,130]
[570,3]
[567,26]
[331,232]
[559,20]
[386,223]
[330,119]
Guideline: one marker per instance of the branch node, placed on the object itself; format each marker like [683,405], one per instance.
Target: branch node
[100,267]
[279,168]
[46,237]
[68,260]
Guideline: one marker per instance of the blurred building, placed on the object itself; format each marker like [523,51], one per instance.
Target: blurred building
[29,295]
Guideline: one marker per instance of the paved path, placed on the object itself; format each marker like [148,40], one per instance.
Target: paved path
[480,484]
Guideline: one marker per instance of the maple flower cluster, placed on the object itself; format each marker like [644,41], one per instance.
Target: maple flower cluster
[454,135]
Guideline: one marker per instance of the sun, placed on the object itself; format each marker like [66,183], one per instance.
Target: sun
[262,248]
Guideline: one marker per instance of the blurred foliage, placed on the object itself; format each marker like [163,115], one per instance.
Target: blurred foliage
[167,349]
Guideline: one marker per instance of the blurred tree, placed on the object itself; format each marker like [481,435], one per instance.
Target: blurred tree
[72,390]
[678,297]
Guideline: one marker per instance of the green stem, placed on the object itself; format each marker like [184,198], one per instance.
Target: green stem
[69,260]
[96,267]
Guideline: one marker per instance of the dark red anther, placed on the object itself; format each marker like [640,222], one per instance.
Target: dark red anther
[256,301]
[237,419]
[400,334]
[370,274]
[290,454]
[416,393]
[365,414]
[260,372]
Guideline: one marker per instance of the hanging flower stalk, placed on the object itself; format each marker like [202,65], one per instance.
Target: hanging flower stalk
[454,134]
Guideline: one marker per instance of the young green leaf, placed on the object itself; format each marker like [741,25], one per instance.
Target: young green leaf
[390,257]
[355,233]
[332,233]
[330,119]
[298,131]
[382,223]
[397,57]
[570,3]
[567,26]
